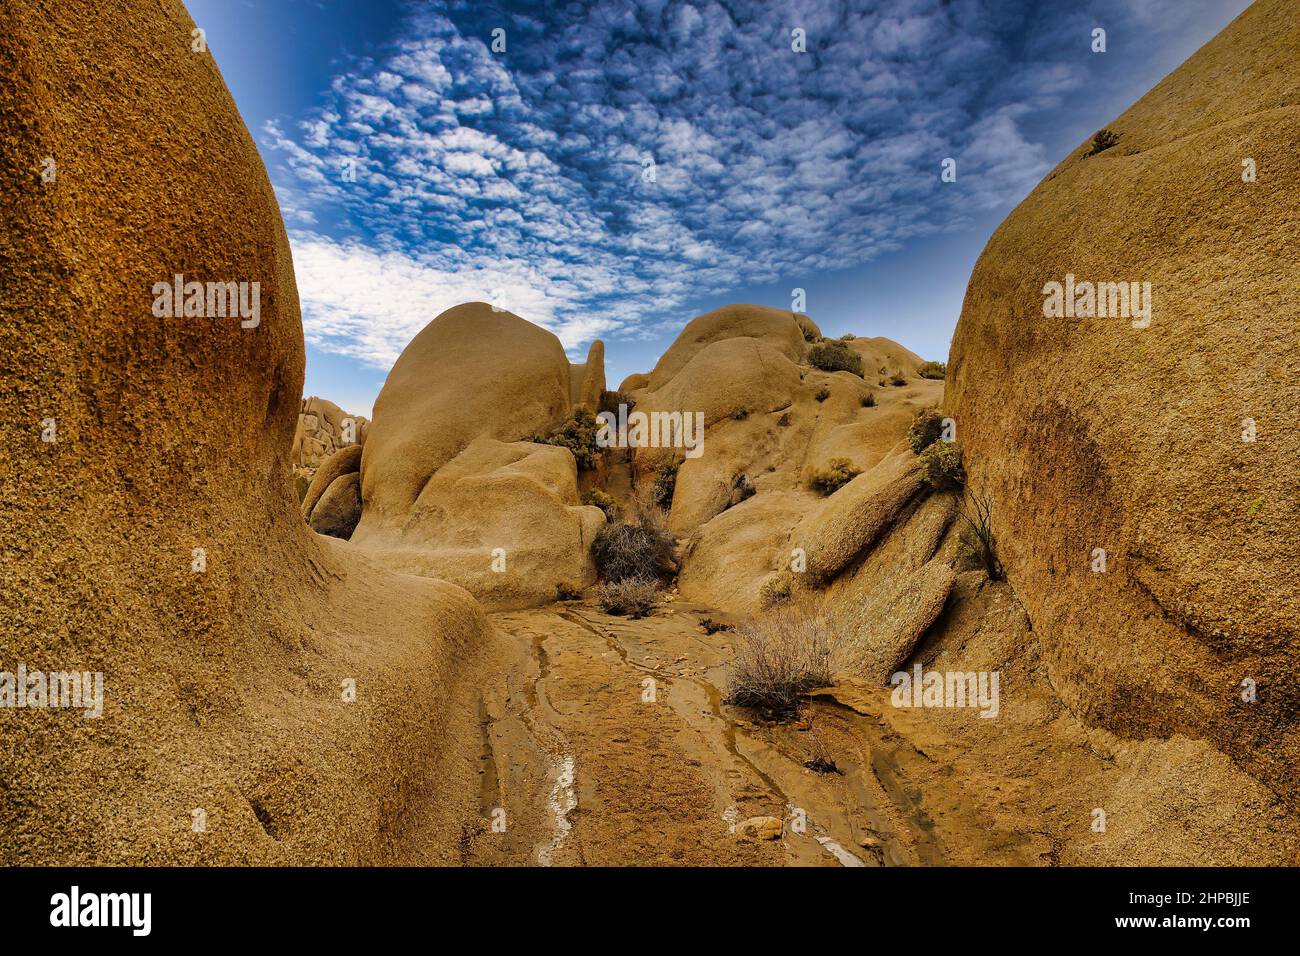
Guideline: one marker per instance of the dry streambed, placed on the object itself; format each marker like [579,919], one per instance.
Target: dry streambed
[607,742]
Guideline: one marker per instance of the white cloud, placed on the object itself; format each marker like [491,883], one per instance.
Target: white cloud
[368,304]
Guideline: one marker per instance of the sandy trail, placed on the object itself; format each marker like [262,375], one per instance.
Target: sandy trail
[606,742]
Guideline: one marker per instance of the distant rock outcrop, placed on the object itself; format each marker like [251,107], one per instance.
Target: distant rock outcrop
[774,327]
[323,428]
[769,418]
[587,381]
[451,485]
[345,461]
[1142,467]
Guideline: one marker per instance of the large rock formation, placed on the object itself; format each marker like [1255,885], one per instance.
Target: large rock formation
[149,530]
[768,415]
[769,419]
[775,328]
[345,461]
[452,487]
[1170,447]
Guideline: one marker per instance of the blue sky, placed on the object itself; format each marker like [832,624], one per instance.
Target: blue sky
[417,167]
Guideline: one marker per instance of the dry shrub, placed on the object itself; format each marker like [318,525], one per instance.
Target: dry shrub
[781,655]
[778,589]
[665,485]
[822,394]
[565,591]
[642,548]
[610,401]
[832,478]
[977,543]
[1102,141]
[869,400]
[631,597]
[932,370]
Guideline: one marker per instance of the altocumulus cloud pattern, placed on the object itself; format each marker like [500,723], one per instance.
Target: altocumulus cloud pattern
[520,176]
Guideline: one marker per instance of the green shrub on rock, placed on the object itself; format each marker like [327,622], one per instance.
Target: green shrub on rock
[926,427]
[605,502]
[832,356]
[578,434]
[941,466]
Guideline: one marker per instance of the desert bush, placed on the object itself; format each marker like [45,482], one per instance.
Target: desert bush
[1102,141]
[564,591]
[847,337]
[898,378]
[822,394]
[713,627]
[631,597]
[740,414]
[869,400]
[578,434]
[605,502]
[806,327]
[742,489]
[609,402]
[778,589]
[665,485]
[976,543]
[782,654]
[932,369]
[832,478]
[643,549]
[941,466]
[832,356]
[926,427]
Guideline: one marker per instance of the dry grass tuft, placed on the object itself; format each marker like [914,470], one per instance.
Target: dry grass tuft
[833,477]
[632,597]
[781,654]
